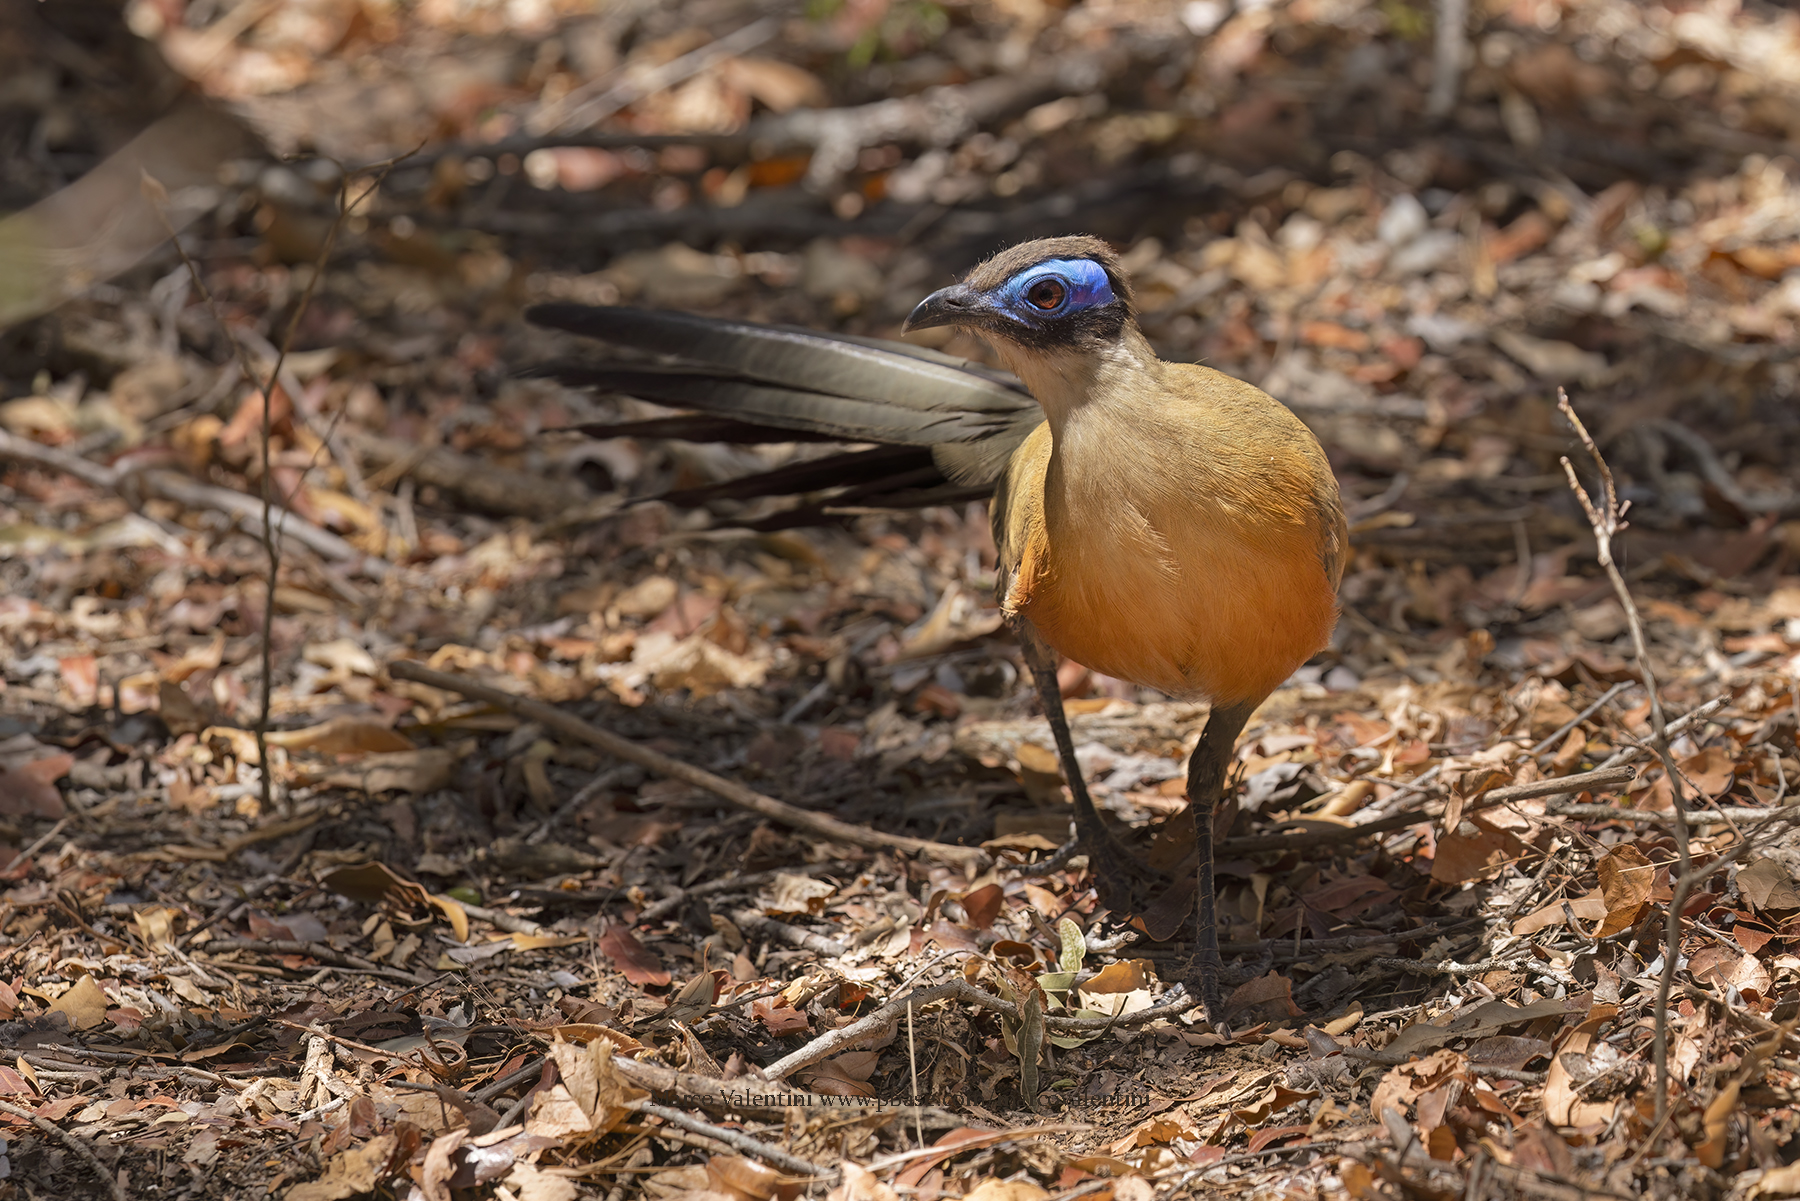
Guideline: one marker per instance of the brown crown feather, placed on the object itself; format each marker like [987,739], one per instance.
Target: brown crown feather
[993,272]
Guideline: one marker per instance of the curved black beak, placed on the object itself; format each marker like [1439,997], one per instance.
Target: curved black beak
[956,305]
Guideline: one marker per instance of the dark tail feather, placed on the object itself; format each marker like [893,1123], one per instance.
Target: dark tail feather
[944,429]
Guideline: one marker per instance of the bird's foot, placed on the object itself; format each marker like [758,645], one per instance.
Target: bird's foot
[1202,980]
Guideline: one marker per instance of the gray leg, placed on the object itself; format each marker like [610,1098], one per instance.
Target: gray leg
[1207,772]
[1112,865]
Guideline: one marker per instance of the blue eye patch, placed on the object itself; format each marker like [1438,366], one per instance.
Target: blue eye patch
[1055,288]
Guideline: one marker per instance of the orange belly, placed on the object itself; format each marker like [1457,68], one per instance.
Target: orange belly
[1229,623]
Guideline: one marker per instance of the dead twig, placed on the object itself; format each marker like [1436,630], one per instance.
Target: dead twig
[313,950]
[1450,46]
[173,486]
[786,1161]
[748,883]
[1600,777]
[1699,817]
[158,198]
[663,765]
[811,940]
[581,108]
[76,1146]
[1607,519]
[886,1020]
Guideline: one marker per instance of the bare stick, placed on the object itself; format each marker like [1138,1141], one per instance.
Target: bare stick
[1607,519]
[75,1145]
[886,1020]
[1600,777]
[1447,59]
[784,1160]
[1699,817]
[158,198]
[675,769]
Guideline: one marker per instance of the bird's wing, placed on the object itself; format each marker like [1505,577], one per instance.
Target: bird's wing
[828,386]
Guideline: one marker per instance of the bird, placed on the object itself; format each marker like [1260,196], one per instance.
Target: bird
[1159,522]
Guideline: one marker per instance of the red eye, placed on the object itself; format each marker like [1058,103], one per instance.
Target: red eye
[1047,294]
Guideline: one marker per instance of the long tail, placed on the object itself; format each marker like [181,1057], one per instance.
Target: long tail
[943,429]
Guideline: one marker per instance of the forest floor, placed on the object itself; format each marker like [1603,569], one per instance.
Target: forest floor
[430,935]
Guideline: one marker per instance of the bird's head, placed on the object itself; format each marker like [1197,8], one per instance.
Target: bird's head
[1051,295]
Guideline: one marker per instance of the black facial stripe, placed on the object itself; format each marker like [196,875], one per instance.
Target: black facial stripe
[1102,324]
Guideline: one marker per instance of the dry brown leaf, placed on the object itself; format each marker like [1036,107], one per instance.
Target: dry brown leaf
[1404,1084]
[1724,966]
[639,965]
[350,1173]
[417,772]
[791,893]
[530,1183]
[156,925]
[342,736]
[85,1004]
[1125,976]
[1626,875]
[1475,848]
[372,883]
[1564,1104]
[1767,885]
[1590,908]
[29,789]
[983,905]
[1273,990]
[1005,1190]
[860,1184]
[779,86]
[440,1165]
[590,1099]
[832,1080]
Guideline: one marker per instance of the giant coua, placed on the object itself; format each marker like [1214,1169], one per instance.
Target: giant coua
[1158,522]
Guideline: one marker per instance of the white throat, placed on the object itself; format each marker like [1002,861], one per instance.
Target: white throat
[1065,382]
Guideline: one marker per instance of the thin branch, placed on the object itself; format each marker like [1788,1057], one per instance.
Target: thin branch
[784,1160]
[1607,518]
[1600,777]
[158,198]
[79,1148]
[886,1020]
[675,769]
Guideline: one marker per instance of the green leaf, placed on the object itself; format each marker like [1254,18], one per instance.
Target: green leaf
[1074,945]
[1031,1045]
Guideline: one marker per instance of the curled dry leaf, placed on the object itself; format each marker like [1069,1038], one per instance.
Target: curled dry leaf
[342,736]
[589,1100]
[1125,976]
[832,1079]
[1005,1190]
[530,1183]
[792,893]
[1402,1086]
[1727,968]
[29,789]
[440,1165]
[743,1177]
[84,1004]
[779,1019]
[417,771]
[983,905]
